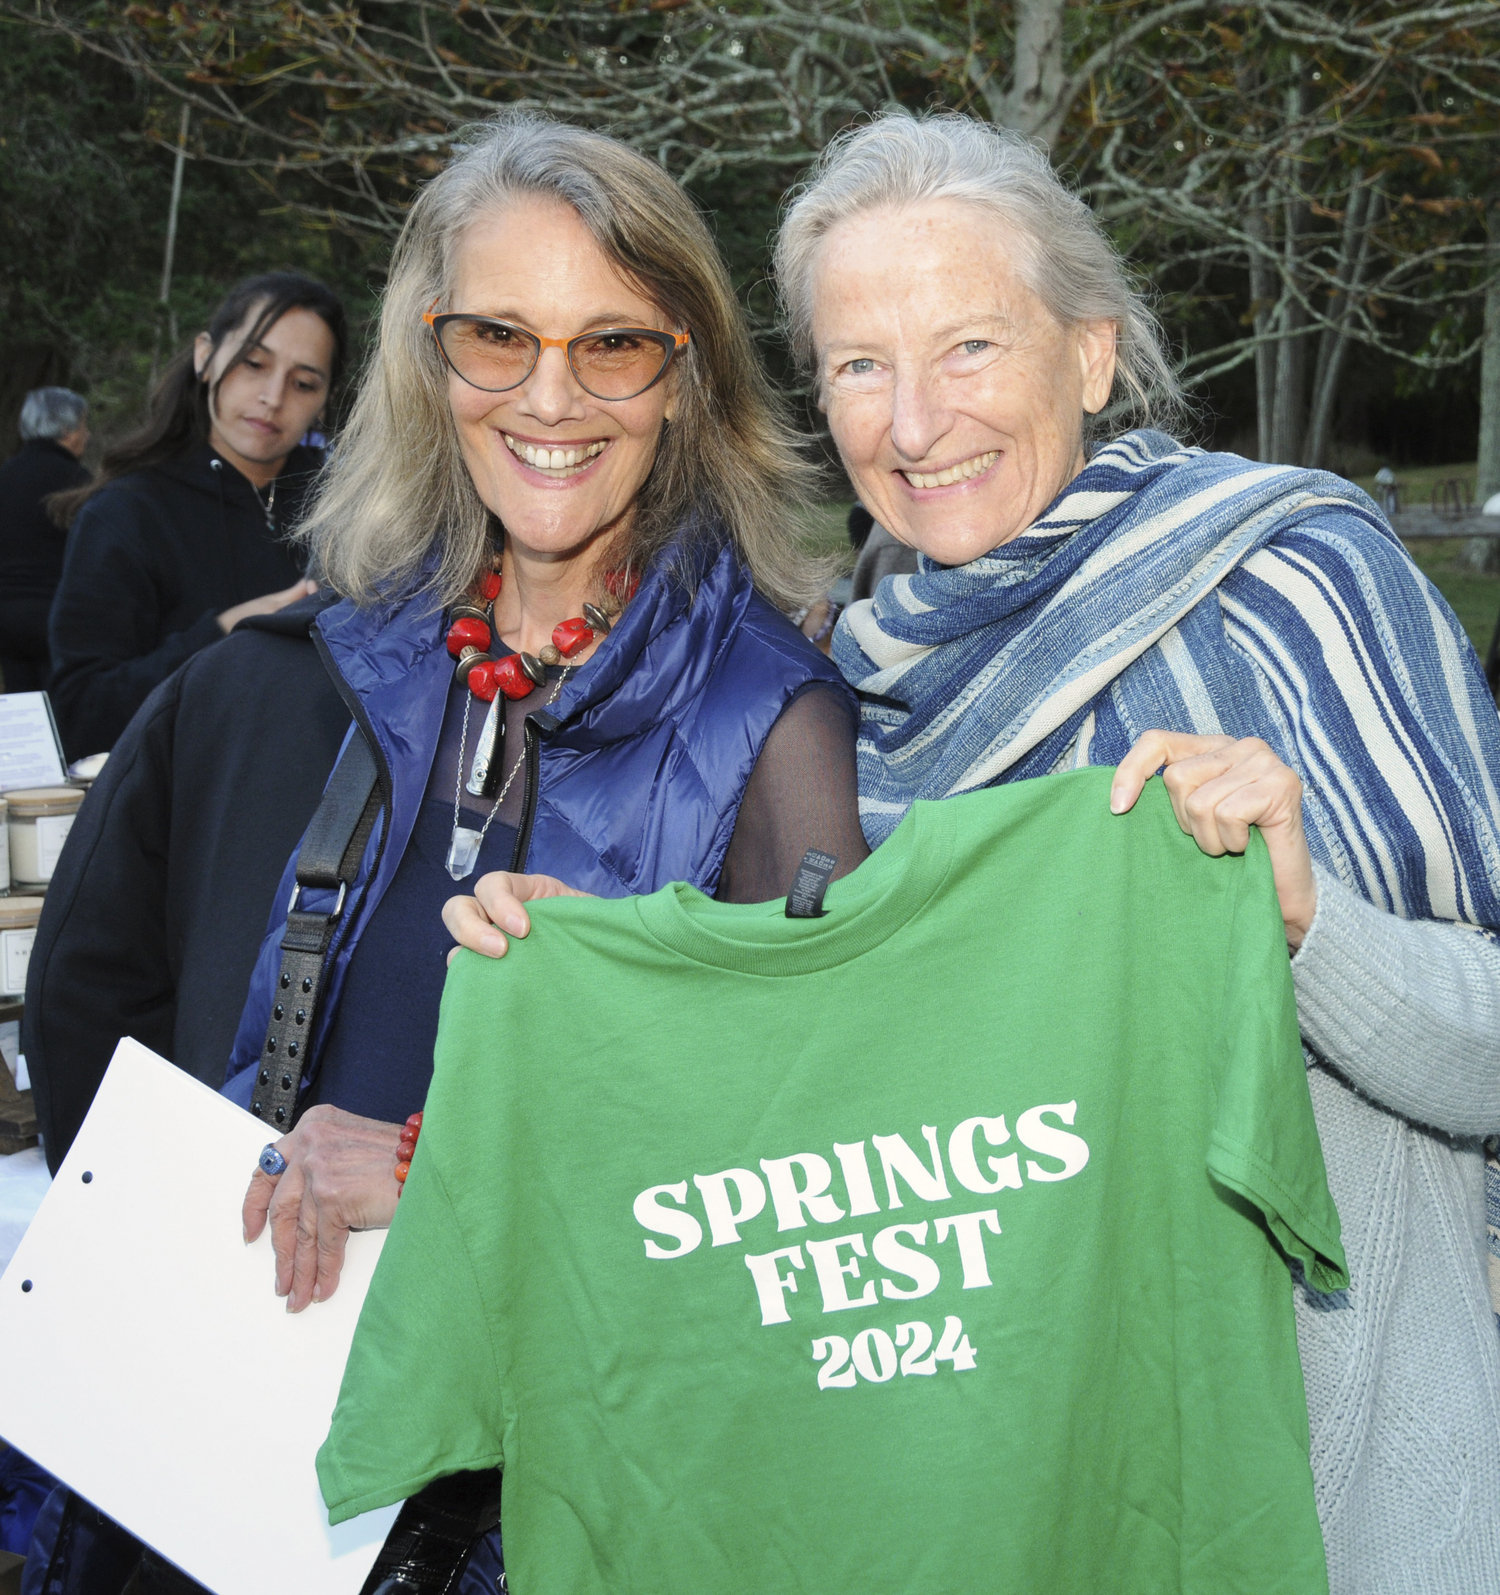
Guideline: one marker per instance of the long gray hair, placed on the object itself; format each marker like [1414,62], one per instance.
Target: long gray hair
[1061,250]
[398,509]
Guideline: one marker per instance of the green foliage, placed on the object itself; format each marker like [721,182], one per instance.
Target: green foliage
[1191,126]
[84,186]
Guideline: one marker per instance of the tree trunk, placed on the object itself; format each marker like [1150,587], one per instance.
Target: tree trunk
[1262,311]
[1289,403]
[1359,226]
[1033,103]
[164,298]
[1329,340]
[1289,406]
[1489,373]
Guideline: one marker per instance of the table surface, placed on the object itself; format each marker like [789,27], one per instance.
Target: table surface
[1420,521]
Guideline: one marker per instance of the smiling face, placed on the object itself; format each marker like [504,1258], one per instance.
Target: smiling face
[560,468]
[264,405]
[955,399]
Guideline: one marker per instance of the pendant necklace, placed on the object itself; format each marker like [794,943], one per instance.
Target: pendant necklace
[517,675]
[268,505]
[463,850]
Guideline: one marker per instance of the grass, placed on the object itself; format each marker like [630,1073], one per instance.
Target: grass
[1418,481]
[1474,598]
[825,528]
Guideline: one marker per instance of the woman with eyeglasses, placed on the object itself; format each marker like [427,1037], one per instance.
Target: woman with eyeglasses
[554,542]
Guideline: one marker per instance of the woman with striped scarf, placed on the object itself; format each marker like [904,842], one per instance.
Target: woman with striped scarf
[1259,632]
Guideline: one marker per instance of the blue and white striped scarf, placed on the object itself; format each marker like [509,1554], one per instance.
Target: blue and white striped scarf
[1169,587]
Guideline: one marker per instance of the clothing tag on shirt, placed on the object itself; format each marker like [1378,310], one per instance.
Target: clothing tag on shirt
[805,900]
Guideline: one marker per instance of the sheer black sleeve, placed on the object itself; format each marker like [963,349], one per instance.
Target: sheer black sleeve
[802,793]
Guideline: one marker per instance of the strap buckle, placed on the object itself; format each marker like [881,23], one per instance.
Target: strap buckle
[338,907]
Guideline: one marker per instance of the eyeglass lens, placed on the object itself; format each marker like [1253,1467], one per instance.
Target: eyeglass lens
[610,364]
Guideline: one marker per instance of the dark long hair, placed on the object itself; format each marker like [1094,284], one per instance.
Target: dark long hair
[178,413]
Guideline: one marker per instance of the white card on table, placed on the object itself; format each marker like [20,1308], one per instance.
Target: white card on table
[151,1365]
[30,752]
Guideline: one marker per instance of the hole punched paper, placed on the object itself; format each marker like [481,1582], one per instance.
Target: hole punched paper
[149,1362]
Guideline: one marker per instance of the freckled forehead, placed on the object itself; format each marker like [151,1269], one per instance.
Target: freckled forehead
[935,267]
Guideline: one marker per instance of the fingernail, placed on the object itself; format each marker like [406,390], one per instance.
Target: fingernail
[1116,802]
[317,1293]
[492,945]
[515,924]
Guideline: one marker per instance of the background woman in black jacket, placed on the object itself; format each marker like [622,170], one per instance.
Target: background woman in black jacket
[184,533]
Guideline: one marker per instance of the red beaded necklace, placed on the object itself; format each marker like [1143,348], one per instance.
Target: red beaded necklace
[471,630]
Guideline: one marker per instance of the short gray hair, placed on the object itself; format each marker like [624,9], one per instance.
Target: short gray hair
[52,413]
[1063,253]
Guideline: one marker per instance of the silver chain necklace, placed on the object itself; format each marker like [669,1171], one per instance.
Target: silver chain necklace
[268,504]
[463,850]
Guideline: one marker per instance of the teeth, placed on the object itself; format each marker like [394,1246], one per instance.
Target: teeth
[962,472]
[544,459]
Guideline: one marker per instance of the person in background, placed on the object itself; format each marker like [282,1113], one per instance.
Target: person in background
[184,534]
[878,554]
[54,433]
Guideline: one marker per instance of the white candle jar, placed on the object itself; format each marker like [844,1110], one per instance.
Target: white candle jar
[18,921]
[38,824]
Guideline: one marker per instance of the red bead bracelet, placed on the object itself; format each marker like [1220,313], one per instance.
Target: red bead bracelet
[409,1133]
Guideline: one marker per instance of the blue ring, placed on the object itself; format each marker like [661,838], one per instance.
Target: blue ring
[271,1161]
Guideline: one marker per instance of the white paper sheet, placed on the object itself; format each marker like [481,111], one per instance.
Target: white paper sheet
[151,1365]
[30,754]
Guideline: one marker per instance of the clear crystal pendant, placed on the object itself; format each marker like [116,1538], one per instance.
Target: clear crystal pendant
[463,852]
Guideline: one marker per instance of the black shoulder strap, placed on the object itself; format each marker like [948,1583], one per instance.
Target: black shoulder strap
[329,859]
[429,1546]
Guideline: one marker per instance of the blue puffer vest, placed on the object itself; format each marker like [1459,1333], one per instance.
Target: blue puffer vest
[635,773]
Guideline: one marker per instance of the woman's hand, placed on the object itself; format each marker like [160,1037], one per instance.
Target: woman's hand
[1219,788]
[340,1175]
[267,604]
[497,901]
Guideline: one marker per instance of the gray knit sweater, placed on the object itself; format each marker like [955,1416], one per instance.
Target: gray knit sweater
[1403,1368]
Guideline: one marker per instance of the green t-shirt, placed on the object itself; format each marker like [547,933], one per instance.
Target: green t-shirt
[924,1247]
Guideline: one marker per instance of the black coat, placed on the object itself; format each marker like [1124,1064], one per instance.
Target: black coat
[31,546]
[184,835]
[153,560]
